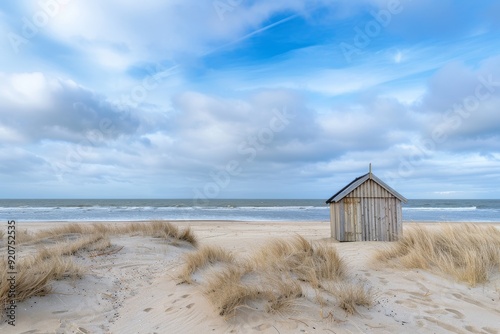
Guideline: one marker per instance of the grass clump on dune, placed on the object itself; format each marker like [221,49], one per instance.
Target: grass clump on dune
[35,272]
[204,256]
[467,252]
[308,262]
[89,243]
[349,295]
[54,247]
[275,277]
[227,290]
[156,229]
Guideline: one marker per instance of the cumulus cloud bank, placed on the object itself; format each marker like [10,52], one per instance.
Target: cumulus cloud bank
[157,99]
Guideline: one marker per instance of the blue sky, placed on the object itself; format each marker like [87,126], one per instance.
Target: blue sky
[248,99]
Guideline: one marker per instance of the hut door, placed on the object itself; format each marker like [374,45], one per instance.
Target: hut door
[353,228]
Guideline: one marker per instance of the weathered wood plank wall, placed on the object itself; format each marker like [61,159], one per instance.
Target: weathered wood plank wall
[369,212]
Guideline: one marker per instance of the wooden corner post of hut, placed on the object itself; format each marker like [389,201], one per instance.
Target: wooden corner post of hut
[366,209]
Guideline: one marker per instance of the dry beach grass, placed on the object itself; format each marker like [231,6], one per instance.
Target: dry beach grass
[156,229]
[246,277]
[466,252]
[274,277]
[54,247]
[206,255]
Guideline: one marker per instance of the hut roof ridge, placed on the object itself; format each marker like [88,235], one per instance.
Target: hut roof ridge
[360,180]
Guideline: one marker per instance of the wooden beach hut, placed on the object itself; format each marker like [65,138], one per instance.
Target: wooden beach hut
[366,209]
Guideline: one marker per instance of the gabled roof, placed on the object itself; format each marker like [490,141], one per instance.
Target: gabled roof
[359,181]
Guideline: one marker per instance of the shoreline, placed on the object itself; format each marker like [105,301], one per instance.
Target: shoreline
[200,223]
[238,221]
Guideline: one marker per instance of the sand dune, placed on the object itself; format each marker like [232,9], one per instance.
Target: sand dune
[135,289]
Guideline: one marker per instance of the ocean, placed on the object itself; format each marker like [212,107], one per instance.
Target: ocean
[230,209]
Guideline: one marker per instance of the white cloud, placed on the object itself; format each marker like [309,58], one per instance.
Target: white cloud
[39,107]
[156,30]
[379,108]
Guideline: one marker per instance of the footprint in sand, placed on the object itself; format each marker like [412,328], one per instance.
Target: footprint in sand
[420,296]
[444,325]
[407,303]
[474,302]
[435,312]
[420,323]
[148,309]
[262,327]
[169,309]
[491,330]
[185,296]
[473,329]
[422,301]
[421,286]
[190,305]
[457,314]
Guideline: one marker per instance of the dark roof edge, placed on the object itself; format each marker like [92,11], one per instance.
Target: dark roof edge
[343,189]
[360,180]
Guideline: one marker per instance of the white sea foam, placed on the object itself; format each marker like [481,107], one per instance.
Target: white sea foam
[470,208]
[258,210]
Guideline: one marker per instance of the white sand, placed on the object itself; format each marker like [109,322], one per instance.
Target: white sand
[135,291]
